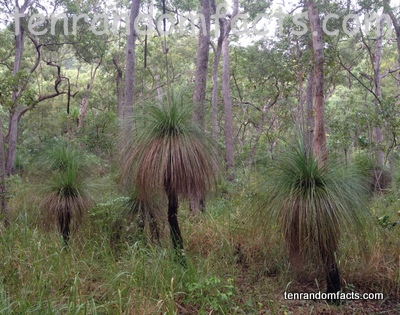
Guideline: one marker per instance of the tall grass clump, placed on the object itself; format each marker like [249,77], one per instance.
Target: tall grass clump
[312,205]
[169,157]
[63,174]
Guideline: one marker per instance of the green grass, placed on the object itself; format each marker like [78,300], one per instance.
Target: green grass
[232,269]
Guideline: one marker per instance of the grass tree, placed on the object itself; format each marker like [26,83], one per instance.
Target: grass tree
[64,173]
[313,205]
[169,156]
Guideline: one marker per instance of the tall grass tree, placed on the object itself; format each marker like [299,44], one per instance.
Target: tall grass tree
[64,176]
[169,156]
[313,205]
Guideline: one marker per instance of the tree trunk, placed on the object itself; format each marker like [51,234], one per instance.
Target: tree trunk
[128,110]
[377,131]
[226,90]
[215,92]
[309,110]
[319,149]
[333,280]
[3,184]
[154,228]
[12,141]
[120,95]
[14,113]
[199,95]
[85,99]
[176,236]
[397,30]
[259,129]
[64,221]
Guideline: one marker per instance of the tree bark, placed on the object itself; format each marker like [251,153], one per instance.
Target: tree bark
[85,99]
[176,236]
[128,110]
[199,95]
[3,184]
[227,96]
[309,110]
[377,131]
[333,284]
[319,149]
[396,26]
[215,91]
[64,222]
[12,141]
[120,94]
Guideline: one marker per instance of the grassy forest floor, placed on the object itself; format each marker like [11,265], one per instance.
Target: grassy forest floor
[233,268]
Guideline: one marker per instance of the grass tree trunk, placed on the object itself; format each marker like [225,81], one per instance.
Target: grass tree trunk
[128,109]
[333,284]
[333,278]
[175,231]
[64,222]
[176,236]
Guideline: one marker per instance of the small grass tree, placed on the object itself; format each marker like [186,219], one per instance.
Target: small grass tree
[172,157]
[64,173]
[313,205]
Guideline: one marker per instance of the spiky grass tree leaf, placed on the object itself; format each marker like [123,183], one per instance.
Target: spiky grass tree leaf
[312,205]
[169,151]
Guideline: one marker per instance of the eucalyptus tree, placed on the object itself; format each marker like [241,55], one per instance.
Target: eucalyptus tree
[19,71]
[129,94]
[319,144]
[203,50]
[227,95]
